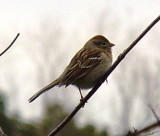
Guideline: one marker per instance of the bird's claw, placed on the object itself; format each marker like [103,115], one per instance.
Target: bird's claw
[106,81]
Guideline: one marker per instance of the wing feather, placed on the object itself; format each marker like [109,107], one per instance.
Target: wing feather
[83,62]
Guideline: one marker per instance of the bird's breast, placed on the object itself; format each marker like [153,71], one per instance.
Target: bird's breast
[90,79]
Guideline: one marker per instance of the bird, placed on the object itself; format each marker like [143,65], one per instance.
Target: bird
[87,66]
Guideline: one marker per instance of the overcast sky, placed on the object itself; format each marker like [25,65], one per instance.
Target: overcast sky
[16,11]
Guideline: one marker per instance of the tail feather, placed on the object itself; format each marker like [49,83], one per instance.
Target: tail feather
[46,88]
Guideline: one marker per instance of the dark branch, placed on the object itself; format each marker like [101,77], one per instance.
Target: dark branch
[10,44]
[144,130]
[150,127]
[119,59]
[132,133]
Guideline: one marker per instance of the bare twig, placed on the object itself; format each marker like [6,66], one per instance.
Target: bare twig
[119,59]
[155,115]
[10,44]
[2,133]
[132,133]
[148,128]
[151,134]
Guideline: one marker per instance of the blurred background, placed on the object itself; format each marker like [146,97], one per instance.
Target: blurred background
[51,32]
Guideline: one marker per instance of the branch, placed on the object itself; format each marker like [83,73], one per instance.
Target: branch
[119,59]
[2,133]
[155,115]
[10,44]
[148,128]
[144,130]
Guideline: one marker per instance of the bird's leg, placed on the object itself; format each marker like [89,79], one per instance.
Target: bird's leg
[100,80]
[80,94]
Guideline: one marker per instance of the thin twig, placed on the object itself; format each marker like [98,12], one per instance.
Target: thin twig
[144,130]
[119,59]
[10,44]
[151,134]
[154,113]
[148,128]
[132,133]
[2,133]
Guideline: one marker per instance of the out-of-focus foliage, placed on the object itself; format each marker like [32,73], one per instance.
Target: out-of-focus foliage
[54,114]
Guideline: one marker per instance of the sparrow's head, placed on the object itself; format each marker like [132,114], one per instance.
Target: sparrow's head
[99,41]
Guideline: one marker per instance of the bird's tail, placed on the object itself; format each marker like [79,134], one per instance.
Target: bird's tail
[46,88]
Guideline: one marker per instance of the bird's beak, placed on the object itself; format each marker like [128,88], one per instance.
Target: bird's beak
[111,44]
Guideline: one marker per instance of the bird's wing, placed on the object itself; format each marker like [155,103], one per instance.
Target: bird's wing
[83,62]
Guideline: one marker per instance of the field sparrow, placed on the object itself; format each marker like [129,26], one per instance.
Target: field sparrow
[86,67]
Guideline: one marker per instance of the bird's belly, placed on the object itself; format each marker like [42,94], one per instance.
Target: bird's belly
[91,78]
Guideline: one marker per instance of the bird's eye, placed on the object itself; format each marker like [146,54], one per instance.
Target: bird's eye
[103,43]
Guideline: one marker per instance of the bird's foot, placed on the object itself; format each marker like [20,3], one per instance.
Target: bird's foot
[106,81]
[82,100]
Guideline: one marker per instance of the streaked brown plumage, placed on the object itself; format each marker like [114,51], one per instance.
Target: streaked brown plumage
[86,67]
